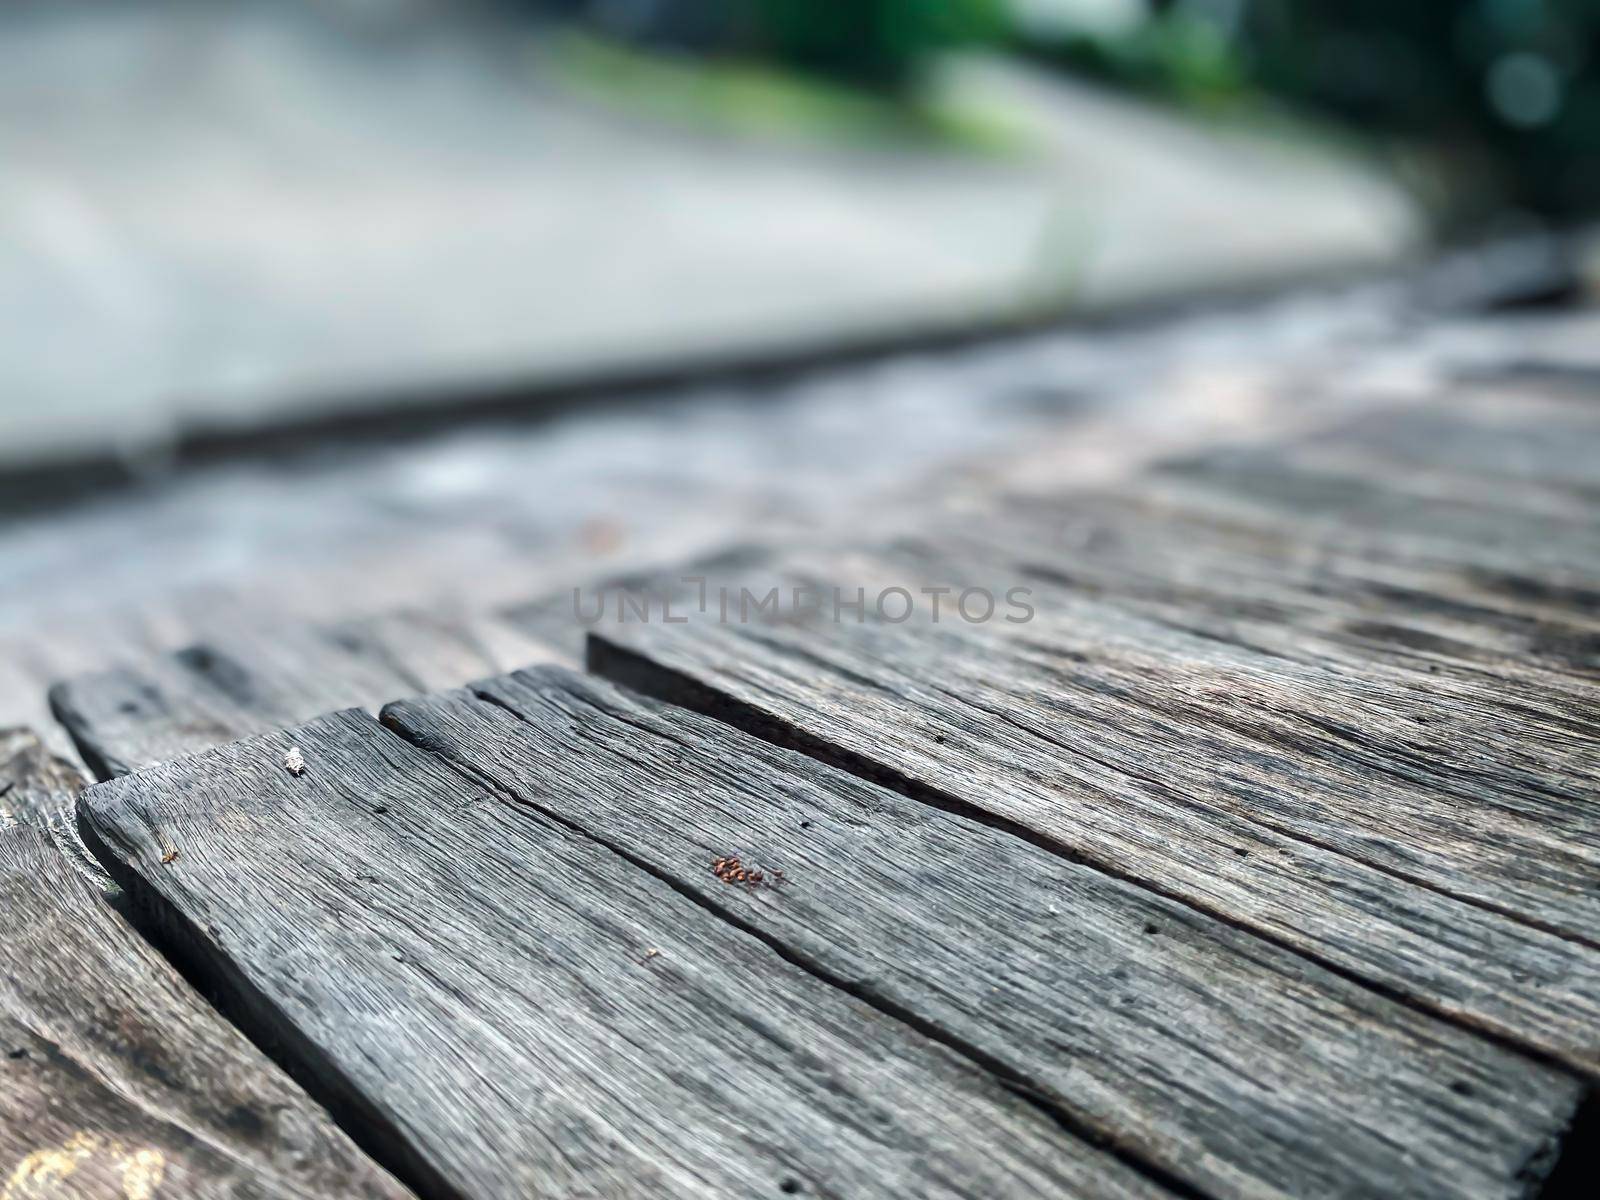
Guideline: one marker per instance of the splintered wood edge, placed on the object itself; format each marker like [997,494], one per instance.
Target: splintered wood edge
[40,790]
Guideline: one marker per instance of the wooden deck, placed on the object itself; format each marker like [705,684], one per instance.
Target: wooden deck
[1261,860]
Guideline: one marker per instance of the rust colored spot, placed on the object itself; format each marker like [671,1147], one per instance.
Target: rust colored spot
[731,869]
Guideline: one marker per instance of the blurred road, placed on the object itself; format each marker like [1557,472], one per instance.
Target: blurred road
[218,216]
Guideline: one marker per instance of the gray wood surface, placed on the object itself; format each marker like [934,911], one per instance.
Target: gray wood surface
[253,678]
[507,1008]
[1230,1064]
[499,513]
[1322,710]
[561,619]
[1388,515]
[117,1079]
[1501,434]
[1159,756]
[40,790]
[1301,595]
[1484,800]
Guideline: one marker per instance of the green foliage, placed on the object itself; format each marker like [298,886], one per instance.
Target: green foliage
[1505,89]
[1509,81]
[1172,54]
[879,42]
[752,97]
[1508,86]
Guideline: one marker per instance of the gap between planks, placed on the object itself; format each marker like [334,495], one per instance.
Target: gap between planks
[498,889]
[639,668]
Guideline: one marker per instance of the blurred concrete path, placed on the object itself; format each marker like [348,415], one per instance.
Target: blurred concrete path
[220,216]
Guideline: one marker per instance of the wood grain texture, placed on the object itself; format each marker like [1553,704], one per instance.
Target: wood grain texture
[40,790]
[116,1079]
[1431,776]
[253,678]
[501,513]
[509,1009]
[1507,633]
[1495,435]
[1378,517]
[1229,1063]
[1079,733]
[562,619]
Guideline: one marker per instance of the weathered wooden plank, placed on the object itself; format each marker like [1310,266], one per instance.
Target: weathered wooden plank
[429,649]
[125,718]
[1079,732]
[1355,511]
[1469,573]
[1516,436]
[1512,664]
[1397,635]
[117,1079]
[251,679]
[1234,1065]
[1425,453]
[1512,451]
[40,790]
[1440,734]
[509,1009]
[1365,682]
[1468,780]
[562,618]
[1446,694]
